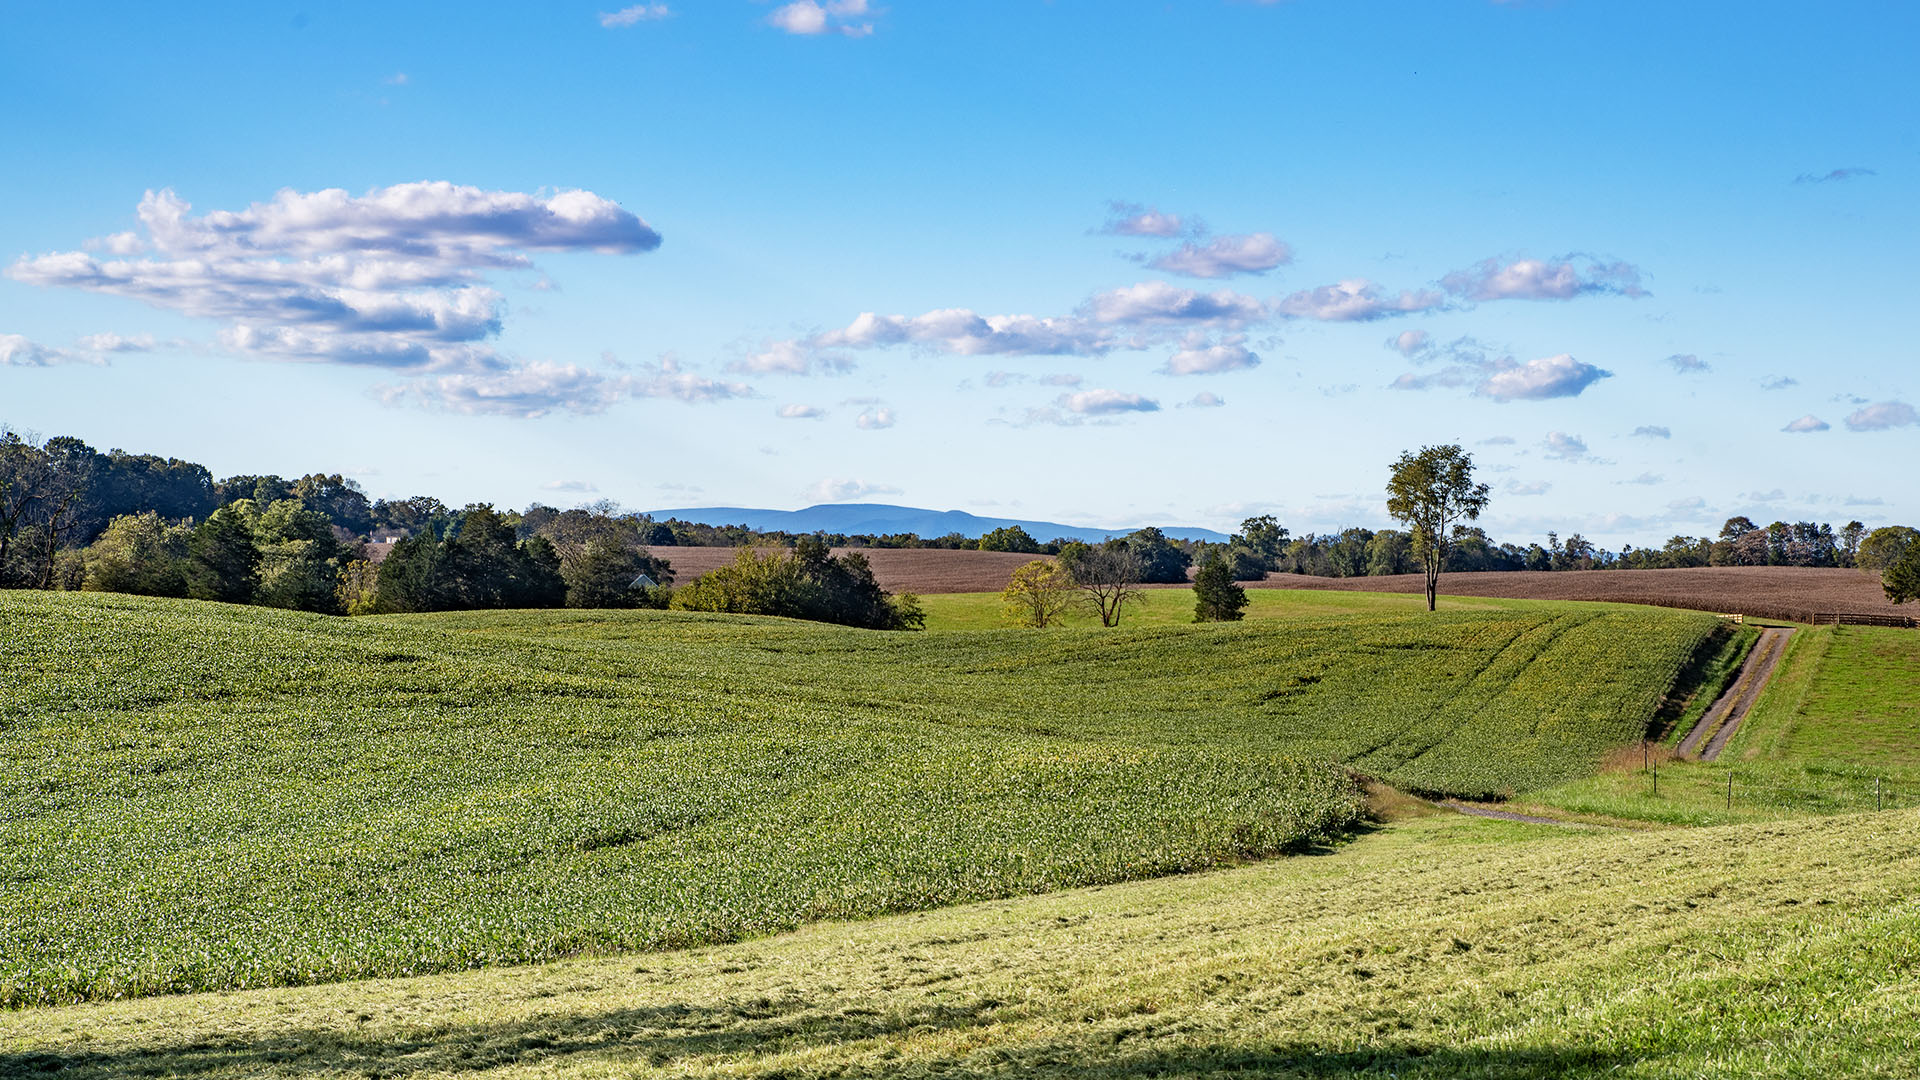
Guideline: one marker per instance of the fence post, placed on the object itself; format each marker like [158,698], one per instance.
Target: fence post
[1729,792]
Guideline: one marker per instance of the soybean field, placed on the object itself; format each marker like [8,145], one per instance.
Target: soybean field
[197,796]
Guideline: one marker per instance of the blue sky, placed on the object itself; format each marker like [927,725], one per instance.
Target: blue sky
[1097,262]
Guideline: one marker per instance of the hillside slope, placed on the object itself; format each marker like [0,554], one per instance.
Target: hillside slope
[205,796]
[1428,950]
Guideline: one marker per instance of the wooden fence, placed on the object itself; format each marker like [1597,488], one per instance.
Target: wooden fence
[1847,618]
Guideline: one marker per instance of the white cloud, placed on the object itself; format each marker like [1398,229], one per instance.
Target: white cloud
[1205,399]
[1132,219]
[1653,431]
[1680,506]
[1688,363]
[1499,440]
[537,389]
[1158,302]
[1105,403]
[393,278]
[16,350]
[1356,300]
[1536,380]
[1565,447]
[1225,256]
[1807,423]
[1882,415]
[1779,382]
[1646,479]
[1514,487]
[809,18]
[831,491]
[575,487]
[1410,343]
[1535,279]
[874,419]
[1200,358]
[638,13]
[117,343]
[801,412]
[1061,378]
[398,78]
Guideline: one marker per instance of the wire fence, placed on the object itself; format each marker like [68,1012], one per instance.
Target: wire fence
[1732,790]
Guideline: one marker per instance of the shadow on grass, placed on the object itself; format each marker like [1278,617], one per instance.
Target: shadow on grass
[739,1036]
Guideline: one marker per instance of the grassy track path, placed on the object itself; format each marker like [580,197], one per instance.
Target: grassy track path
[1724,718]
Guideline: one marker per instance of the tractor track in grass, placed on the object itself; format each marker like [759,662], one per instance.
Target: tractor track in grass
[1709,737]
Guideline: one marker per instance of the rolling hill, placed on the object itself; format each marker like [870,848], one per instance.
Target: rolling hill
[880,518]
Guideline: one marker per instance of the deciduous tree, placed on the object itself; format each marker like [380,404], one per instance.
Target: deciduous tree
[1432,492]
[1038,594]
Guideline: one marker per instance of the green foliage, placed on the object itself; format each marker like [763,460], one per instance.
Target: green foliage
[1215,596]
[1902,579]
[1037,595]
[222,561]
[1010,538]
[298,799]
[141,554]
[1159,561]
[602,576]
[480,566]
[806,583]
[1432,493]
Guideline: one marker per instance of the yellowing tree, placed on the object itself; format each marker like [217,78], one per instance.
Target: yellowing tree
[1039,592]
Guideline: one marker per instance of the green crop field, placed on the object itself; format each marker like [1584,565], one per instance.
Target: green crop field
[1174,606]
[1837,730]
[1440,947]
[199,796]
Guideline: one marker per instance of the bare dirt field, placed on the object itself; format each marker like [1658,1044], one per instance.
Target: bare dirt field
[916,570]
[1773,592]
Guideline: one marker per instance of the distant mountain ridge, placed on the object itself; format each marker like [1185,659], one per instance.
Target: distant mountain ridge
[880,518]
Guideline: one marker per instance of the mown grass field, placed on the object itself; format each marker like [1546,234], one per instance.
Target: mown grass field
[198,796]
[1436,948]
[1837,730]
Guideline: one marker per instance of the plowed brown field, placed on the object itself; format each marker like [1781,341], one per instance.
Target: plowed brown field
[1773,592]
[916,570]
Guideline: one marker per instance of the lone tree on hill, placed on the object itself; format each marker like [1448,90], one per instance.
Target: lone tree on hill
[1108,576]
[1215,596]
[1431,493]
[1038,594]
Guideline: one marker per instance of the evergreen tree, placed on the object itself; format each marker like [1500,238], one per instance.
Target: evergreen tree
[222,561]
[1216,597]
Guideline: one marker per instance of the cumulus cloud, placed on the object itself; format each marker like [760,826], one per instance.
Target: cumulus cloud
[1133,219]
[801,412]
[1653,431]
[1807,423]
[831,491]
[1205,399]
[1565,447]
[1536,380]
[1061,378]
[1681,506]
[1503,379]
[1834,175]
[1688,363]
[1225,256]
[1197,357]
[1537,279]
[1881,416]
[1779,382]
[808,18]
[629,16]
[874,419]
[1514,487]
[1356,300]
[789,358]
[1105,403]
[1499,440]
[575,487]
[394,278]
[1646,479]
[17,350]
[1410,343]
[1161,303]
